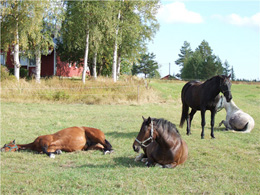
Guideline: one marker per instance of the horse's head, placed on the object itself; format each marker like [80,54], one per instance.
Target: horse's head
[145,136]
[11,147]
[225,87]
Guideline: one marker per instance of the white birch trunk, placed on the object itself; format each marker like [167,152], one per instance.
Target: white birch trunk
[16,56]
[95,66]
[38,66]
[86,68]
[118,66]
[114,67]
[115,58]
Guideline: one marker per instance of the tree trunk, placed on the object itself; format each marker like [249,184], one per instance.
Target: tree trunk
[118,66]
[95,66]
[38,66]
[16,55]
[115,57]
[114,67]
[86,68]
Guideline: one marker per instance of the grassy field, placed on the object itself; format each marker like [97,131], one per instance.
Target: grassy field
[229,164]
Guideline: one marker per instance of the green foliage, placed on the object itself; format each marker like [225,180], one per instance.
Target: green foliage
[201,64]
[137,24]
[4,73]
[23,72]
[147,66]
[186,52]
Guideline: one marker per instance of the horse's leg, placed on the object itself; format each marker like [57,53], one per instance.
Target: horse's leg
[188,125]
[213,112]
[202,122]
[58,151]
[150,162]
[45,151]
[189,119]
[220,123]
[172,165]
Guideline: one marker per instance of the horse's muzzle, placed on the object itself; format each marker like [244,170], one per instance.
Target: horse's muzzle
[136,148]
[228,96]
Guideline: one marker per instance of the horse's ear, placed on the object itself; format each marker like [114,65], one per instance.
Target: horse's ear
[148,120]
[143,118]
[14,141]
[229,76]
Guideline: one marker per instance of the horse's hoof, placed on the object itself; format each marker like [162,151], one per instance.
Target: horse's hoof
[108,152]
[52,155]
[212,137]
[58,152]
[202,137]
[144,160]
[139,157]
[159,165]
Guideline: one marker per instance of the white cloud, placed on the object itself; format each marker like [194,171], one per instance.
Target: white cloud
[177,13]
[235,19]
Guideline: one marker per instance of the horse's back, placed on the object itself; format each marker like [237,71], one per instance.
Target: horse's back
[94,134]
[69,139]
[191,94]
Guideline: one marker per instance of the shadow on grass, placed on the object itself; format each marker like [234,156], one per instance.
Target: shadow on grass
[126,162]
[117,134]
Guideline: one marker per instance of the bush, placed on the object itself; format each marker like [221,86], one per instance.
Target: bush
[23,72]
[4,73]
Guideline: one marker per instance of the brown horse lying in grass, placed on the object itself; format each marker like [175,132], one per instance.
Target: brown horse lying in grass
[161,143]
[69,140]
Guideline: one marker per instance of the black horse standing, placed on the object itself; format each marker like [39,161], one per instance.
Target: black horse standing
[203,96]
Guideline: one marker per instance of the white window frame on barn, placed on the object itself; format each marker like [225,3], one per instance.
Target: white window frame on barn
[2,56]
[29,62]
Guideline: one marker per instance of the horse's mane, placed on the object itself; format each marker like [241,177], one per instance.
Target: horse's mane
[166,125]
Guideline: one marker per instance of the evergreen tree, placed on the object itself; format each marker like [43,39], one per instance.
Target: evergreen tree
[146,65]
[226,70]
[201,64]
[186,52]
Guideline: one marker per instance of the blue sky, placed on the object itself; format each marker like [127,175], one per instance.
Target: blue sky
[232,29]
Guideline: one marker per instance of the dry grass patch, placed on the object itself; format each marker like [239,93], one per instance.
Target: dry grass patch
[128,90]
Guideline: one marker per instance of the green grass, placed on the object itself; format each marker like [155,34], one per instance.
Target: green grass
[228,164]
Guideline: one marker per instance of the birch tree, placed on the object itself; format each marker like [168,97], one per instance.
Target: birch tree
[47,17]
[16,21]
[79,30]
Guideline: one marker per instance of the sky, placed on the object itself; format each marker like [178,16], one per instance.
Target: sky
[232,29]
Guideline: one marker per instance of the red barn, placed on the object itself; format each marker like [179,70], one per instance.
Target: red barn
[51,65]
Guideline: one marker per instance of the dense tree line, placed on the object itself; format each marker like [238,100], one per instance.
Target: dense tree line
[201,63]
[107,37]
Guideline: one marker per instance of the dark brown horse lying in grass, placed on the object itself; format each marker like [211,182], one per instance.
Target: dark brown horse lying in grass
[69,140]
[161,143]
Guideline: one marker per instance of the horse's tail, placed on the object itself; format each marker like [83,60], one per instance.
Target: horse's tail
[184,114]
[185,107]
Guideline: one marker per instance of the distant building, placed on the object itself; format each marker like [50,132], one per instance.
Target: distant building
[51,65]
[168,77]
